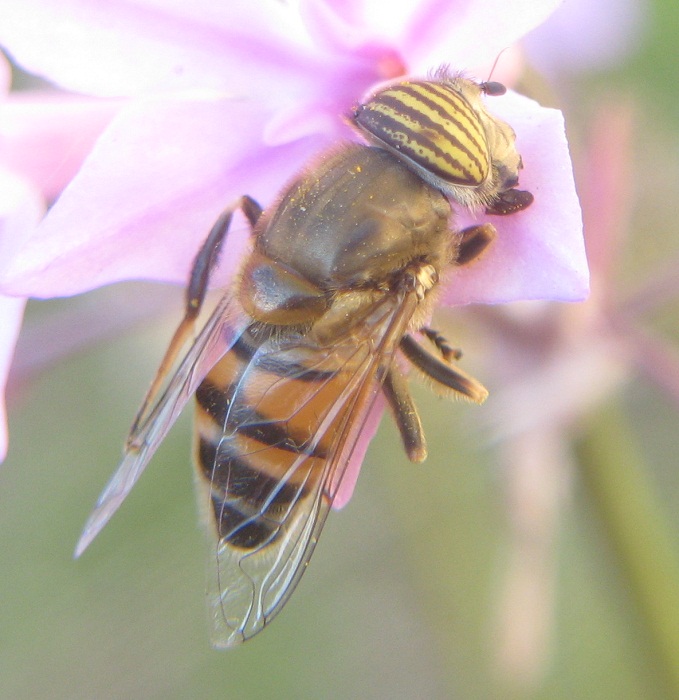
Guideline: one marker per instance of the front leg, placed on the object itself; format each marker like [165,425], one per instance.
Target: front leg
[473,242]
[203,265]
[208,256]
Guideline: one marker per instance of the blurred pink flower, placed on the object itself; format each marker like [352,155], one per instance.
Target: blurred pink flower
[222,111]
[45,136]
[556,364]
[43,140]
[583,35]
[5,75]
[233,98]
[21,207]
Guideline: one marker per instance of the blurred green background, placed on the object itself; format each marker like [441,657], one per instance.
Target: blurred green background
[404,597]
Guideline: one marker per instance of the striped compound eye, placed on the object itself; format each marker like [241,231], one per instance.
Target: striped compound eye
[431,126]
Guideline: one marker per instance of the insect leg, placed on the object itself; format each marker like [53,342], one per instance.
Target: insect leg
[203,265]
[509,202]
[395,388]
[208,256]
[447,376]
[473,241]
[448,352]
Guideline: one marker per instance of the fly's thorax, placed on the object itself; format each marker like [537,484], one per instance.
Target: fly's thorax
[276,293]
[441,129]
[355,219]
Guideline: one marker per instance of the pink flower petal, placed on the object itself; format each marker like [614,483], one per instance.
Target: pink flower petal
[539,253]
[11,313]
[149,193]
[585,35]
[462,33]
[467,34]
[46,136]
[20,209]
[256,89]
[114,49]
[328,52]
[5,75]
[417,37]
[346,486]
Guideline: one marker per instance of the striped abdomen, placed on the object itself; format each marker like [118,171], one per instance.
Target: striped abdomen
[433,127]
[265,429]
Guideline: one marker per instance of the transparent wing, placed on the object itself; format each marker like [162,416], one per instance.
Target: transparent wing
[154,421]
[269,474]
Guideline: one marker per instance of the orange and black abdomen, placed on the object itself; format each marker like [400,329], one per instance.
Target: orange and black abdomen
[259,447]
[320,287]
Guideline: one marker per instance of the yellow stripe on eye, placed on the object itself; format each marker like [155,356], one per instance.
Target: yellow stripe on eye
[432,126]
[465,117]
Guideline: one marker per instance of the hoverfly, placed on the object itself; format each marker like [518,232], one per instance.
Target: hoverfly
[328,307]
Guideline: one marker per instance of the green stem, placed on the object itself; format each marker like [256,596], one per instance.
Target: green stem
[616,476]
